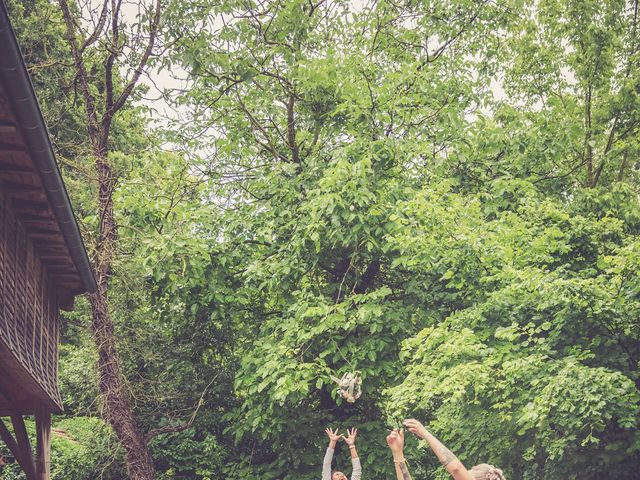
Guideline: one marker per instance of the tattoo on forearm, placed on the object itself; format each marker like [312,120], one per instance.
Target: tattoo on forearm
[445,456]
[405,471]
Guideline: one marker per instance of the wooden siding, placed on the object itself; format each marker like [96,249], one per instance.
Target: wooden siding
[28,307]
[37,277]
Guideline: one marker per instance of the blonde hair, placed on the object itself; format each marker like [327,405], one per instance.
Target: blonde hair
[485,471]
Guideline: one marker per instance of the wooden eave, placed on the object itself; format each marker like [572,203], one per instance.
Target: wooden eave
[22,186]
[30,179]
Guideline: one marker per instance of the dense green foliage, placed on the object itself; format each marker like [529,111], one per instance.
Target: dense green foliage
[81,448]
[440,195]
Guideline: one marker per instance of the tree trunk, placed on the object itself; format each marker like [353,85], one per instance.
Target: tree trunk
[117,409]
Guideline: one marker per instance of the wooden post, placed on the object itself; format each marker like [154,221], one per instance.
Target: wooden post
[43,445]
[8,439]
[24,446]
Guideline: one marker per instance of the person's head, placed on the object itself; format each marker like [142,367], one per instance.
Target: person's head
[485,471]
[337,475]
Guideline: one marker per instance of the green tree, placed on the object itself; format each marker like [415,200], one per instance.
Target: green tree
[442,196]
[374,198]
[132,147]
[576,64]
[314,149]
[540,372]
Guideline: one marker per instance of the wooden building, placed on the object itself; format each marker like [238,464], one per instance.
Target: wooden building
[43,262]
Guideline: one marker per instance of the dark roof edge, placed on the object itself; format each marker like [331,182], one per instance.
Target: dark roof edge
[26,108]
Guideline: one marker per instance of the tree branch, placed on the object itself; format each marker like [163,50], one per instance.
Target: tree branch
[98,30]
[179,428]
[153,32]
[291,130]
[113,54]
[81,72]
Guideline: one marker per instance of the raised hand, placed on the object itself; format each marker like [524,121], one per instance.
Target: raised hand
[350,439]
[395,440]
[446,457]
[416,428]
[334,437]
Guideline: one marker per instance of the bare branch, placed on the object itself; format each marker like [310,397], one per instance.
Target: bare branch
[113,55]
[98,30]
[81,71]
[153,33]
[179,428]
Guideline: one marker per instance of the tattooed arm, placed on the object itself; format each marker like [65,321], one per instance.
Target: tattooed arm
[395,440]
[454,466]
[402,472]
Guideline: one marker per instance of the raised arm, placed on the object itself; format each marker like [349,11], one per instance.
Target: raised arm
[328,456]
[395,440]
[350,440]
[454,466]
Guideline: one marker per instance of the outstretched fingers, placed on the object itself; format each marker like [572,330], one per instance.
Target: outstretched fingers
[351,436]
[332,434]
